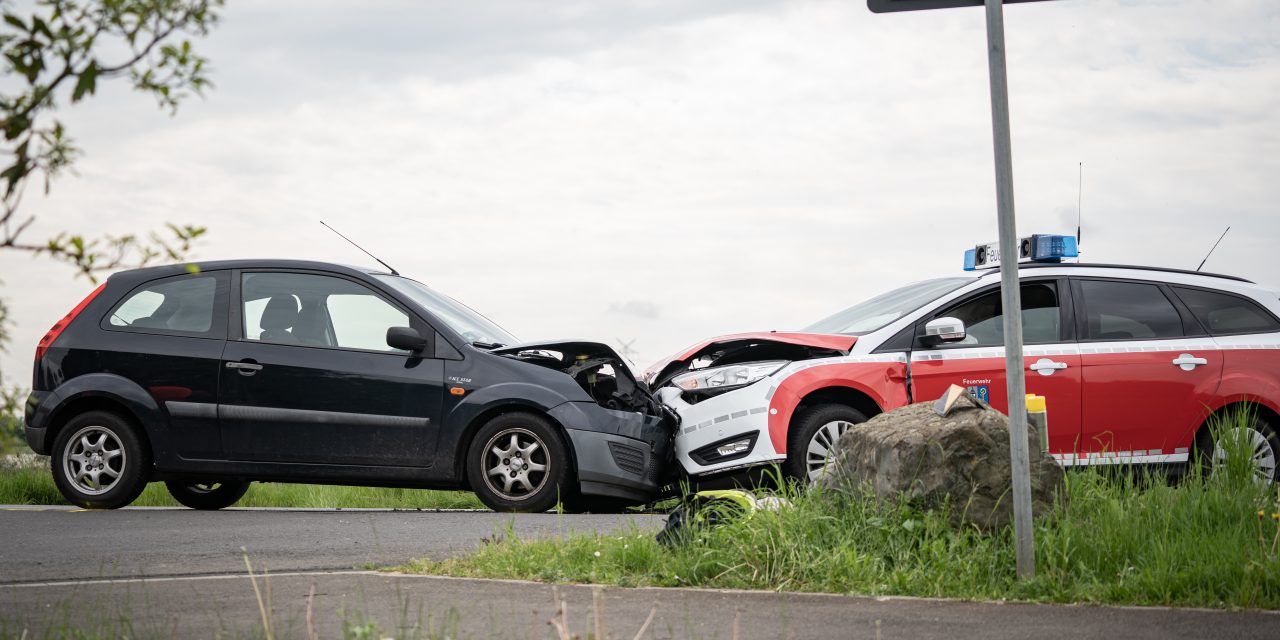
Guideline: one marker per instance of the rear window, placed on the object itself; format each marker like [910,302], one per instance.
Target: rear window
[1128,311]
[1227,314]
[182,304]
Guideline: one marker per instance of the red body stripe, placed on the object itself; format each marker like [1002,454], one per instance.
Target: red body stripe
[883,382]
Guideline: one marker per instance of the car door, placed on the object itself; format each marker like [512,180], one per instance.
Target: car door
[1149,371]
[309,378]
[977,362]
[168,337]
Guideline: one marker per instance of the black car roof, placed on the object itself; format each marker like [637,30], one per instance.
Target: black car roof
[216,265]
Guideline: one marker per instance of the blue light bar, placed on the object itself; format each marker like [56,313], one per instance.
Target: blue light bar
[1040,247]
[1052,248]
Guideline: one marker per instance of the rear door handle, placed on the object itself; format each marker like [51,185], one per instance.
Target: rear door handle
[1046,367]
[1188,362]
[245,368]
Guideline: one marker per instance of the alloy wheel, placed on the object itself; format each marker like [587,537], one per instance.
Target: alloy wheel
[516,464]
[820,446]
[1262,456]
[93,460]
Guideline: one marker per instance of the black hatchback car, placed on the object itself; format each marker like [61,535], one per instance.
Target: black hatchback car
[214,375]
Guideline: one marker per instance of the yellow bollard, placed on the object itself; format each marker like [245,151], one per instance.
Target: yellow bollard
[1038,419]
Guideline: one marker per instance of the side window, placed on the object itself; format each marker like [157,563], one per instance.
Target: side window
[317,311]
[1127,311]
[983,316]
[180,304]
[1226,314]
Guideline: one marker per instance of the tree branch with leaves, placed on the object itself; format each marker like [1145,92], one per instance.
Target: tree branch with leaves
[59,51]
[62,51]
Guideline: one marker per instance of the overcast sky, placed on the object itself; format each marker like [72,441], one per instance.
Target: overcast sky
[666,170]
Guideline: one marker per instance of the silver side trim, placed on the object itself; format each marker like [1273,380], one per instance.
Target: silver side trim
[206,410]
[1121,457]
[273,414]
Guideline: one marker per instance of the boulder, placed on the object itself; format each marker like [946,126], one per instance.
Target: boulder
[961,460]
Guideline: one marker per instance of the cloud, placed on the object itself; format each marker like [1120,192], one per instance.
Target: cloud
[739,166]
[642,309]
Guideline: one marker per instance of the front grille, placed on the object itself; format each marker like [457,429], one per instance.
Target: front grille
[627,458]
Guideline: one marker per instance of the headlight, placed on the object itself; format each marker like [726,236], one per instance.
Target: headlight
[737,375]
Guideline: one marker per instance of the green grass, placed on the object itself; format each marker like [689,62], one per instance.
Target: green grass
[35,486]
[1117,538]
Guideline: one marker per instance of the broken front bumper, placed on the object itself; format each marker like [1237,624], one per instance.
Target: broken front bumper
[619,454]
[733,416]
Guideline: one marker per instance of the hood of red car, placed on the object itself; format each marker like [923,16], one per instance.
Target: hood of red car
[837,342]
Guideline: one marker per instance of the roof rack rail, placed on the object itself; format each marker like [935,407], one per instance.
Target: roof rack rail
[1043,265]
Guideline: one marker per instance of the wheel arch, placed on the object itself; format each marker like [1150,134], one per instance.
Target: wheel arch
[84,402]
[1259,406]
[489,413]
[838,394]
[870,387]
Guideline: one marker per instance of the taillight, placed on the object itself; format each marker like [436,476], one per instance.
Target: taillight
[56,330]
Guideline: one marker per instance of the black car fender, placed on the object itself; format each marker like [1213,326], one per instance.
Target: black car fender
[94,390]
[480,405]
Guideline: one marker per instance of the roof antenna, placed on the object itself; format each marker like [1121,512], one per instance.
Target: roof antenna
[1079,204]
[1215,246]
[389,267]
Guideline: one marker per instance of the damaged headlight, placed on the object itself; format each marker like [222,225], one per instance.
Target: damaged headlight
[737,375]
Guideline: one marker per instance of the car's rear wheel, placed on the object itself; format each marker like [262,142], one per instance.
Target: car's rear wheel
[812,439]
[519,462]
[100,461]
[207,496]
[1256,438]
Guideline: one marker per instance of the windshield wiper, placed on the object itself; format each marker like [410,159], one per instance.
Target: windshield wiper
[487,345]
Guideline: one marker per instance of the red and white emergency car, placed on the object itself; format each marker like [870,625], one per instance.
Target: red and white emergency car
[1132,360]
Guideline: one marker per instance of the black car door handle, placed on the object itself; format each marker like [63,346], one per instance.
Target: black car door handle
[245,368]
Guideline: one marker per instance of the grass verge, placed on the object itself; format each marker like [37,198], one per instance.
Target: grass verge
[35,486]
[1210,541]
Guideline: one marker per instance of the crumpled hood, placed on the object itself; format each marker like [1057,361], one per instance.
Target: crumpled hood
[596,367]
[833,342]
[574,347]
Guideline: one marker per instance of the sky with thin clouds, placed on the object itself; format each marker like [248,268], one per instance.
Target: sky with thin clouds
[660,171]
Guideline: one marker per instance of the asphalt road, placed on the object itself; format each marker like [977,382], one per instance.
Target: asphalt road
[178,573]
[56,543]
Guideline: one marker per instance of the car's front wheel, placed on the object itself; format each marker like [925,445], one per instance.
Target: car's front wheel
[519,462]
[207,496]
[100,461]
[813,436]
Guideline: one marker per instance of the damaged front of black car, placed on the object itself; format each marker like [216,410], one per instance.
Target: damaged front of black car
[621,435]
[528,426]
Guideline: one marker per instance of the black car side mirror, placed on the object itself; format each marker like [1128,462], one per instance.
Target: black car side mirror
[406,338]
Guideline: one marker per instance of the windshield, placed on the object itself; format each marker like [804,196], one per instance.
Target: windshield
[867,316]
[472,326]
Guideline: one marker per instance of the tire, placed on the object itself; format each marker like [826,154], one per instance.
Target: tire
[100,461]
[1261,437]
[532,472]
[207,496]
[818,426]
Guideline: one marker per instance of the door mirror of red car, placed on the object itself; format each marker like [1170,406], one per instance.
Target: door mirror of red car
[406,338]
[943,330]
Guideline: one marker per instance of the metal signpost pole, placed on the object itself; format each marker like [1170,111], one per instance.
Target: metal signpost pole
[1011,299]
